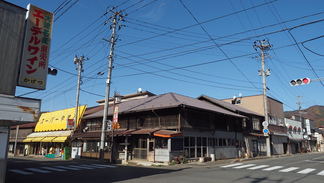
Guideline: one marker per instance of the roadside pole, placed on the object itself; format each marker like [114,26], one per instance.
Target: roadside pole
[263,46]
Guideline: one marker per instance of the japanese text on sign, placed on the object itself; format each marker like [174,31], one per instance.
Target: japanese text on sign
[38,36]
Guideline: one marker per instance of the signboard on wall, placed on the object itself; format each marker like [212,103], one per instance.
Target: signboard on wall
[4,134]
[69,124]
[34,64]
[19,109]
[58,120]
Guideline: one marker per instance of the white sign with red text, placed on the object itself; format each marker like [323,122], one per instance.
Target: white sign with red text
[34,65]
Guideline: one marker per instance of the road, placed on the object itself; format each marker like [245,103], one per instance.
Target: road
[299,168]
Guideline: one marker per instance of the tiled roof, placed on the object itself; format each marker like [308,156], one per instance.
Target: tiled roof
[169,100]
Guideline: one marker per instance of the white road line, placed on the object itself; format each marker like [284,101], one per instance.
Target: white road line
[272,168]
[94,166]
[231,165]
[65,167]
[244,166]
[289,169]
[53,169]
[20,172]
[110,166]
[258,167]
[321,173]
[306,171]
[37,170]
[81,166]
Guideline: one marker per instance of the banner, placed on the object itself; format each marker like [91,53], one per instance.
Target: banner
[115,119]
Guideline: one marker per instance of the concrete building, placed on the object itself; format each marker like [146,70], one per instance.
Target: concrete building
[278,131]
[295,135]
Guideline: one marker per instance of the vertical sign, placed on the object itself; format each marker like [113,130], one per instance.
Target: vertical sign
[4,135]
[34,64]
[115,119]
[69,124]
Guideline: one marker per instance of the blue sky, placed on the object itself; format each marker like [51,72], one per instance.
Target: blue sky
[162,48]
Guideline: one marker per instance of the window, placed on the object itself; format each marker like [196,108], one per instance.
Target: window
[272,120]
[189,147]
[280,122]
[295,130]
[290,129]
[244,123]
[256,123]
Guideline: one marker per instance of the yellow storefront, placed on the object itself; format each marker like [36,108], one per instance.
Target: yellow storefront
[53,132]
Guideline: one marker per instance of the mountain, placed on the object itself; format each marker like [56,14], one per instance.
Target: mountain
[315,113]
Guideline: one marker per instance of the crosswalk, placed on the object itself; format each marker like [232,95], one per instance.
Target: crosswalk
[269,168]
[29,171]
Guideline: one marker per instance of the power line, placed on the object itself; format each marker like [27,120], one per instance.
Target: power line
[304,55]
[217,44]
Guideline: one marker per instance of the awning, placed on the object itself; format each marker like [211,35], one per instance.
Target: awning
[48,139]
[167,133]
[37,139]
[28,139]
[48,136]
[59,139]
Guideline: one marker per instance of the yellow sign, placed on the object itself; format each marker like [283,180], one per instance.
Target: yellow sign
[57,120]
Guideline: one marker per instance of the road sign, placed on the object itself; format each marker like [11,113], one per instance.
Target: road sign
[265,123]
[265,130]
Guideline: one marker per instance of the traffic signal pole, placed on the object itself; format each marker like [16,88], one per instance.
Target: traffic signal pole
[263,46]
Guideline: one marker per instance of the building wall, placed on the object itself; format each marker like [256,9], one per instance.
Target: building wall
[255,103]
[11,39]
[291,134]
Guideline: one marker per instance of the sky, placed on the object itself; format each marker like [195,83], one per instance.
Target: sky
[185,47]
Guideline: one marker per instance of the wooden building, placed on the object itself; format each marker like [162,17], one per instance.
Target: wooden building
[157,128]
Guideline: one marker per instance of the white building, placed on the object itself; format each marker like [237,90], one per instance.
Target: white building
[295,135]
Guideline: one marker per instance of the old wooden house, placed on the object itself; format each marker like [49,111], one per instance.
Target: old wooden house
[157,128]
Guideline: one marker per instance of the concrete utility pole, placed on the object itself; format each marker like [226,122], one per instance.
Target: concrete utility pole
[117,14]
[79,62]
[263,46]
[15,147]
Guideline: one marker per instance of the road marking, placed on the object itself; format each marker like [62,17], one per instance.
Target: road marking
[244,166]
[94,166]
[69,168]
[306,171]
[81,166]
[38,170]
[272,168]
[20,172]
[321,173]
[258,167]
[53,169]
[289,169]
[110,166]
[231,165]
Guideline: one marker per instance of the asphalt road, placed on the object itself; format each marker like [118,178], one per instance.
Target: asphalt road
[299,168]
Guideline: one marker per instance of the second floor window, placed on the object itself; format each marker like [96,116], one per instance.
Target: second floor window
[272,120]
[256,123]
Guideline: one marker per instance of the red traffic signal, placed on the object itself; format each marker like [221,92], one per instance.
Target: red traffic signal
[302,81]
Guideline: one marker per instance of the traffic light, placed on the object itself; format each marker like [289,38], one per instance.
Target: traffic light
[52,71]
[302,81]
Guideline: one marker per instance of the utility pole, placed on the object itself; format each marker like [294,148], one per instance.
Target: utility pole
[15,147]
[299,108]
[115,16]
[263,46]
[79,62]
